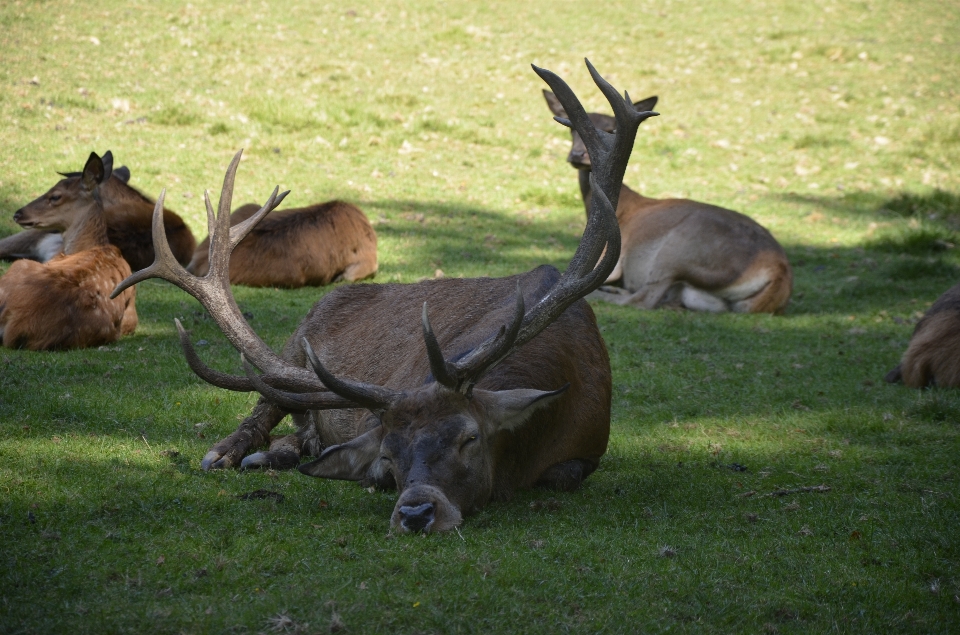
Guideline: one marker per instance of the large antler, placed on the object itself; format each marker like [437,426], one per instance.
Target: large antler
[609,154]
[588,269]
[213,292]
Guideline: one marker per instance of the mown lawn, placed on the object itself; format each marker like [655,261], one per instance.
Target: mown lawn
[835,124]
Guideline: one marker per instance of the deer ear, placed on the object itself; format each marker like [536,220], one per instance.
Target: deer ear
[554,104]
[92,175]
[122,173]
[107,165]
[510,409]
[348,461]
[645,105]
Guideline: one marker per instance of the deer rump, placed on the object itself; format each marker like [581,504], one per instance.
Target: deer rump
[364,332]
[80,316]
[933,356]
[310,246]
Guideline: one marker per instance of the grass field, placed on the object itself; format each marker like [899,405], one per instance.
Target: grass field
[834,124]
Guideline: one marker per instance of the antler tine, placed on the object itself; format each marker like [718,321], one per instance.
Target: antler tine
[484,357]
[240,231]
[576,115]
[370,396]
[297,402]
[213,292]
[164,264]
[617,147]
[442,371]
[609,155]
[236,382]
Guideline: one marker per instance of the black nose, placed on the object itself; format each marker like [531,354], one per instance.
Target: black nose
[579,158]
[416,518]
[17,215]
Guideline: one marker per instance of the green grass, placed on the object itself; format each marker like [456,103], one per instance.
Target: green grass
[833,124]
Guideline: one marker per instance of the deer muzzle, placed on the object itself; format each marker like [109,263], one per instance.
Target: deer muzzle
[425,508]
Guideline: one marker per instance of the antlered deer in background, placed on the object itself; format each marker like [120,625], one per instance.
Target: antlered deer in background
[488,409]
[682,252]
[933,356]
[66,302]
[310,246]
[127,215]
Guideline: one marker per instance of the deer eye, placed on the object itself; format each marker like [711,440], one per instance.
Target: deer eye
[54,198]
[468,441]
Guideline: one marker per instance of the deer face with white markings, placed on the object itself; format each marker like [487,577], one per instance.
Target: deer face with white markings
[522,400]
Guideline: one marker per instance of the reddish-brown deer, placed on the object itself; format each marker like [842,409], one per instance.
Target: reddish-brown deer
[678,252]
[66,302]
[497,398]
[127,214]
[933,356]
[308,246]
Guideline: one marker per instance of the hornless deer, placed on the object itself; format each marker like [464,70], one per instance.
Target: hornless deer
[501,410]
[678,252]
[309,246]
[66,302]
[933,356]
[127,214]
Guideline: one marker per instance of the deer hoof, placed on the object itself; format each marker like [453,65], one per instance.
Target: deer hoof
[214,460]
[277,460]
[255,461]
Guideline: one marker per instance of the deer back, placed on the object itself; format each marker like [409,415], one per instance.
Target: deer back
[309,246]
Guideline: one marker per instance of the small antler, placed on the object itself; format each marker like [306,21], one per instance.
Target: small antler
[213,291]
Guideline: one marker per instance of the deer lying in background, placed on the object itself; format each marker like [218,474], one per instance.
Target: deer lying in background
[678,252]
[127,214]
[488,410]
[308,246]
[933,356]
[66,302]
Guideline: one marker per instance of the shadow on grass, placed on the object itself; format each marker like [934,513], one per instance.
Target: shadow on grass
[938,205]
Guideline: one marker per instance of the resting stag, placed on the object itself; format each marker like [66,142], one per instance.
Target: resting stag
[497,397]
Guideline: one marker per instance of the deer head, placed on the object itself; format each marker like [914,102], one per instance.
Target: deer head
[579,157]
[73,206]
[66,201]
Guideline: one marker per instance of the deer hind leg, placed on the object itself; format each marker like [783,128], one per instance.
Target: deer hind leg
[566,476]
[252,433]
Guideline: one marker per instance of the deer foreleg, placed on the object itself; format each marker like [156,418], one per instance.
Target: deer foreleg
[284,454]
[252,433]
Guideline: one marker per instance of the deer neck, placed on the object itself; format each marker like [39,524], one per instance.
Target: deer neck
[89,230]
[585,190]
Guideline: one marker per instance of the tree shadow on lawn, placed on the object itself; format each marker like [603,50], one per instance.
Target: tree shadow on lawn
[470,240]
[940,206]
